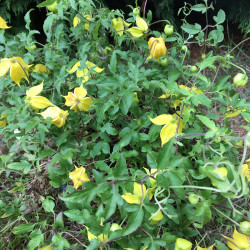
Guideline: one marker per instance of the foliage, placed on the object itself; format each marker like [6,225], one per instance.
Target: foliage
[103,144]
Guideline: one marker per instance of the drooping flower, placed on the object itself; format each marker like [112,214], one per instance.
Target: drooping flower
[141,28]
[139,194]
[3,24]
[209,248]
[152,180]
[57,115]
[77,20]
[157,47]
[37,102]
[170,123]
[221,172]
[41,69]
[77,100]
[239,241]
[157,217]
[3,121]
[118,25]
[78,176]
[18,68]
[182,244]
[246,169]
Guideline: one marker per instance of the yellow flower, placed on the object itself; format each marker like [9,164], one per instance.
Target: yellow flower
[157,47]
[46,248]
[222,173]
[182,244]
[101,237]
[37,102]
[41,69]
[77,100]
[3,121]
[141,28]
[209,248]
[115,227]
[169,130]
[78,176]
[151,180]
[239,241]
[3,24]
[138,196]
[77,20]
[157,217]
[118,25]
[18,68]
[57,115]
[246,169]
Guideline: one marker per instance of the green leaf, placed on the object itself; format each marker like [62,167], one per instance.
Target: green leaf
[207,122]
[126,101]
[46,3]
[207,62]
[220,245]
[151,159]
[59,221]
[75,215]
[204,100]
[165,155]
[35,241]
[221,16]
[60,242]
[111,205]
[22,165]
[23,228]
[199,7]
[48,205]
[113,63]
[162,180]
[92,223]
[175,180]
[191,29]
[120,168]
[134,222]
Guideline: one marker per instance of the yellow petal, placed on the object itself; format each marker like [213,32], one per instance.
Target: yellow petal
[182,244]
[117,25]
[40,69]
[115,227]
[84,104]
[76,21]
[161,119]
[40,102]
[131,198]
[3,24]
[22,62]
[96,69]
[209,248]
[167,132]
[158,217]
[80,92]
[233,114]
[136,32]
[242,241]
[46,248]
[141,24]
[246,170]
[3,121]
[90,235]
[4,66]
[70,99]
[35,90]
[103,237]
[138,190]
[162,96]
[17,72]
[75,67]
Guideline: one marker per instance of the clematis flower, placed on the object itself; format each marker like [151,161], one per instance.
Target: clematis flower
[101,237]
[77,100]
[115,227]
[141,28]
[151,180]
[78,176]
[138,196]
[84,73]
[3,121]
[41,69]
[239,241]
[246,169]
[118,25]
[157,47]
[18,69]
[209,248]
[57,115]
[182,244]
[170,123]
[3,24]
[37,102]
[77,20]
[155,218]
[222,173]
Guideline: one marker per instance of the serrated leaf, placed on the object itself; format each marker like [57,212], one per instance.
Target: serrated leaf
[46,3]
[113,63]
[207,122]
[48,205]
[120,168]
[23,228]
[35,241]
[165,155]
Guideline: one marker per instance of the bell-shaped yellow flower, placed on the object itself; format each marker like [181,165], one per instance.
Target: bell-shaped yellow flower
[239,241]
[157,217]
[3,24]
[222,173]
[157,47]
[41,69]
[118,25]
[139,194]
[246,169]
[77,20]
[182,244]
[170,123]
[151,180]
[141,28]
[77,100]
[37,102]
[3,121]
[209,248]
[78,176]
[57,115]
[18,68]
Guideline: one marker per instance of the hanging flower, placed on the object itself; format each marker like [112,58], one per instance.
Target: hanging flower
[77,100]
[239,241]
[138,195]
[157,47]
[18,68]
[41,69]
[57,115]
[209,248]
[3,121]
[152,180]
[170,123]
[77,20]
[141,28]
[78,176]
[221,173]
[118,25]
[182,244]
[156,218]
[37,102]
[246,169]
[3,24]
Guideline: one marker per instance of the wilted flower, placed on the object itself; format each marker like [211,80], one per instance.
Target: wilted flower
[157,47]
[169,130]
[221,172]
[139,193]
[77,100]
[141,28]
[3,24]
[182,244]
[18,68]
[41,69]
[246,169]
[37,102]
[157,217]
[239,241]
[78,176]
[57,115]
[118,24]
[209,248]
[3,121]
